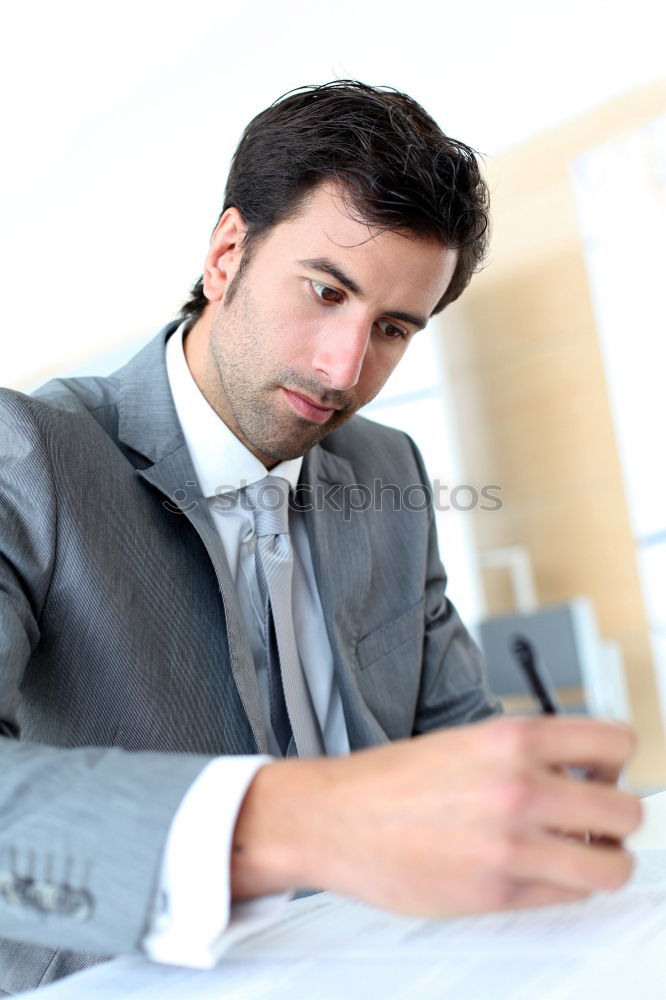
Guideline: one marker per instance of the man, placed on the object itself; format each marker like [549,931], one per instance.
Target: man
[153,673]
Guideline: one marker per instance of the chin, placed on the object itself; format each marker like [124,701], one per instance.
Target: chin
[296,445]
[285,451]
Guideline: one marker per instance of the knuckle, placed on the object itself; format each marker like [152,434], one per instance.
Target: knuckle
[502,853]
[514,737]
[630,738]
[623,738]
[515,794]
[634,814]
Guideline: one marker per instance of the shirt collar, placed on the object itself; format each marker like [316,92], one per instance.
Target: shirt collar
[221,462]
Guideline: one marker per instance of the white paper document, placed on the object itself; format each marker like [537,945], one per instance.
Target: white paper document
[328,948]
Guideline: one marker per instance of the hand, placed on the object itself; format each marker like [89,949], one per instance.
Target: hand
[463,820]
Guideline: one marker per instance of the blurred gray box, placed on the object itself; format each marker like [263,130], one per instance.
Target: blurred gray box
[569,653]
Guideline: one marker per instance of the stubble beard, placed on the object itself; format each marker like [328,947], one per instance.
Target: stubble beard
[251,404]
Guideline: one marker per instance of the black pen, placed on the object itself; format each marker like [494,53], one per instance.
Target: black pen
[524,653]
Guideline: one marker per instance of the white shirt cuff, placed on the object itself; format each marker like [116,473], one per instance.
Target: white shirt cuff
[194,921]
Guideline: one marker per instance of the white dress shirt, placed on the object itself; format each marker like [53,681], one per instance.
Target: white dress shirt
[194,921]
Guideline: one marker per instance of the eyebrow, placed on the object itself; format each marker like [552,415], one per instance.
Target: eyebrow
[328,267]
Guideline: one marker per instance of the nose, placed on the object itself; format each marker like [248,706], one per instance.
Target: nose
[340,353]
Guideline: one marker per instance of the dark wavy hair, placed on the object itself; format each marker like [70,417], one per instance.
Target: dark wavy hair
[394,165]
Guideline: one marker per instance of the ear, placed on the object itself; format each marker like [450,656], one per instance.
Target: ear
[224,254]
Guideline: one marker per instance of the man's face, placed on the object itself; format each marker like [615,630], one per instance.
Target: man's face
[315,325]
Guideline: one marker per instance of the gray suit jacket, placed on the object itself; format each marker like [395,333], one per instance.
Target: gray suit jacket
[124,663]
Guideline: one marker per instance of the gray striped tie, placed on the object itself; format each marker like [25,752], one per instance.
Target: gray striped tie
[291,707]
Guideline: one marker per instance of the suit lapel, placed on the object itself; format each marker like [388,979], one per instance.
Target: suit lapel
[340,547]
[167,475]
[149,425]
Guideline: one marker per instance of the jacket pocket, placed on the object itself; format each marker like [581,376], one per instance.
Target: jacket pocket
[389,637]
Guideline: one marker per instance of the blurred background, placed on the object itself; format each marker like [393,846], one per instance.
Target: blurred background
[542,388]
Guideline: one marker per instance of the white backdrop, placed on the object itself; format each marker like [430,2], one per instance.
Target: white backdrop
[118,121]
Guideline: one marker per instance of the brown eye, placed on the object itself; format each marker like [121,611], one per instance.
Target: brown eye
[325,293]
[390,331]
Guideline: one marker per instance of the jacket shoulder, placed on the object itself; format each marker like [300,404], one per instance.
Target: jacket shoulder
[63,403]
[87,393]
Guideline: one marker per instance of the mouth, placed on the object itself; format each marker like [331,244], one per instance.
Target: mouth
[307,407]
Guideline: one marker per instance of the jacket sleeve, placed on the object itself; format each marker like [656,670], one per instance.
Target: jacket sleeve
[454,687]
[81,829]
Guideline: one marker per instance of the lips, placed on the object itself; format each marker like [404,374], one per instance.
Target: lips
[305,407]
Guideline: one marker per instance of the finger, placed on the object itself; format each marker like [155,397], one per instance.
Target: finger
[571,865]
[529,895]
[582,807]
[564,740]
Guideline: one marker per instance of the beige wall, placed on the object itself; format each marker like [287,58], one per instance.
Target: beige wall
[532,408]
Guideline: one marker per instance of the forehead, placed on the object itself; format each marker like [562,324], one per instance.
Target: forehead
[397,265]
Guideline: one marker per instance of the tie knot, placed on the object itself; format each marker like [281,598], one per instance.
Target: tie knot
[269,501]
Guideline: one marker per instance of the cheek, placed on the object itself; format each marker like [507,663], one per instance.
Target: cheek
[297,338]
